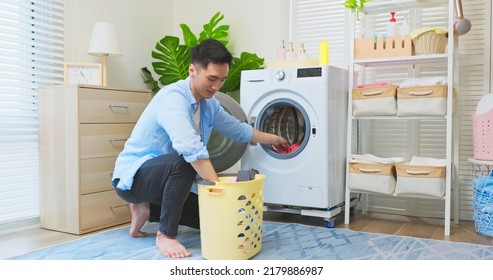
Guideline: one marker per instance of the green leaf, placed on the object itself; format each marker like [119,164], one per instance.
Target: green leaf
[356,5]
[149,80]
[351,4]
[173,60]
[212,30]
[189,38]
[246,61]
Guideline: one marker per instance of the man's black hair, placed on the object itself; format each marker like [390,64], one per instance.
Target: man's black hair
[210,50]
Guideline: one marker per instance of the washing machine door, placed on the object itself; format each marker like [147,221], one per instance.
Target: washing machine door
[224,152]
[287,118]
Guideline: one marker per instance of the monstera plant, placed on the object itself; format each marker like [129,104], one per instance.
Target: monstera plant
[173,58]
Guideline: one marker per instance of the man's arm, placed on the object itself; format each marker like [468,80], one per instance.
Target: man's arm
[267,138]
[205,170]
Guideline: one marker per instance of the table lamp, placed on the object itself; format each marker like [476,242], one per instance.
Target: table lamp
[104,42]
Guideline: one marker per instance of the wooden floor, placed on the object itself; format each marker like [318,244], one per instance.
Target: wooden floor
[430,228]
[28,239]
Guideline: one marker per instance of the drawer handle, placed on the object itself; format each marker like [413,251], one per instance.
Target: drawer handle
[118,206]
[118,107]
[118,140]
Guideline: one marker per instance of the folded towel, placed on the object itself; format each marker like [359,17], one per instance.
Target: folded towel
[369,158]
[427,161]
[379,84]
[416,82]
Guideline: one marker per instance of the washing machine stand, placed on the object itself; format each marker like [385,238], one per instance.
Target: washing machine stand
[329,215]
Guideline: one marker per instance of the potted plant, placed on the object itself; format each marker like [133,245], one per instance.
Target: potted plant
[356,5]
[173,58]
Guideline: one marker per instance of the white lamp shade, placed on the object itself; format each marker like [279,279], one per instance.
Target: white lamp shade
[104,40]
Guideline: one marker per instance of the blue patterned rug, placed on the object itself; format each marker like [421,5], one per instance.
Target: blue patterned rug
[280,242]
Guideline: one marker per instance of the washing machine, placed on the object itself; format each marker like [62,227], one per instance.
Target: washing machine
[308,107]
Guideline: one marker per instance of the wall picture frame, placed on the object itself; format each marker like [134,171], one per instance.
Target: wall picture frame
[83,73]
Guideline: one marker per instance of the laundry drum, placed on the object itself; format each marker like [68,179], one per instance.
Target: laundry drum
[287,119]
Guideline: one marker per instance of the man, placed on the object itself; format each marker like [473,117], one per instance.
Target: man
[168,148]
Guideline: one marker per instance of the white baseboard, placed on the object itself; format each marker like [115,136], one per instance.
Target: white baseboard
[19,225]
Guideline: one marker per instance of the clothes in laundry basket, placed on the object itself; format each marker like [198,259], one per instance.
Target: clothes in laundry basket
[482,203]
[483,192]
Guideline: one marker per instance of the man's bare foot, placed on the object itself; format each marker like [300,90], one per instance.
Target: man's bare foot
[170,247]
[140,215]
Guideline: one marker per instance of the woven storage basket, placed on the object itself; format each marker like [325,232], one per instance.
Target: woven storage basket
[372,177]
[420,179]
[430,42]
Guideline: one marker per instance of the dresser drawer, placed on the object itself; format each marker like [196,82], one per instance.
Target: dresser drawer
[96,174]
[106,105]
[103,209]
[103,140]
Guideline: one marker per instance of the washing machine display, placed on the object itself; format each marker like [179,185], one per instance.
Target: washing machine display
[288,119]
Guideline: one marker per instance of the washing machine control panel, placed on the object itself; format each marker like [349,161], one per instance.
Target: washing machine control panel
[309,72]
[280,75]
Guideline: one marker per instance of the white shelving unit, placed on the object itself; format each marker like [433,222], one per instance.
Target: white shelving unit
[449,59]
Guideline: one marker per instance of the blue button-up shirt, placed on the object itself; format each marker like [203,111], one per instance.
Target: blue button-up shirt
[166,126]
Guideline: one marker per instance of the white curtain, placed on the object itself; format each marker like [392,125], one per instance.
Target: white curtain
[31,55]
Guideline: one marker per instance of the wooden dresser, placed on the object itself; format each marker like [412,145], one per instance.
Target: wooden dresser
[82,130]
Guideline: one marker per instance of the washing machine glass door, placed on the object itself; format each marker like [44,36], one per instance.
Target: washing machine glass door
[224,152]
[286,118]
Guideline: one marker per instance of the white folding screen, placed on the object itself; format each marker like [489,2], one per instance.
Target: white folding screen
[316,20]
[474,81]
[31,55]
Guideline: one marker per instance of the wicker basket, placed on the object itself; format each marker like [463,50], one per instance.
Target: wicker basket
[430,42]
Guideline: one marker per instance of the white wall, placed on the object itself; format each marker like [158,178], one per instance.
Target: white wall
[140,24]
[255,26]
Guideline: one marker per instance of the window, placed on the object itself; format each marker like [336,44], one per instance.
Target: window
[31,55]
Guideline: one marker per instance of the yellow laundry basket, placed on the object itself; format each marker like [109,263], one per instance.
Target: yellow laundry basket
[231,218]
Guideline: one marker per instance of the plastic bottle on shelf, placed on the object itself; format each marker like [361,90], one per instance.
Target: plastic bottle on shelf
[363,32]
[303,54]
[323,53]
[404,28]
[291,54]
[281,52]
[392,27]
